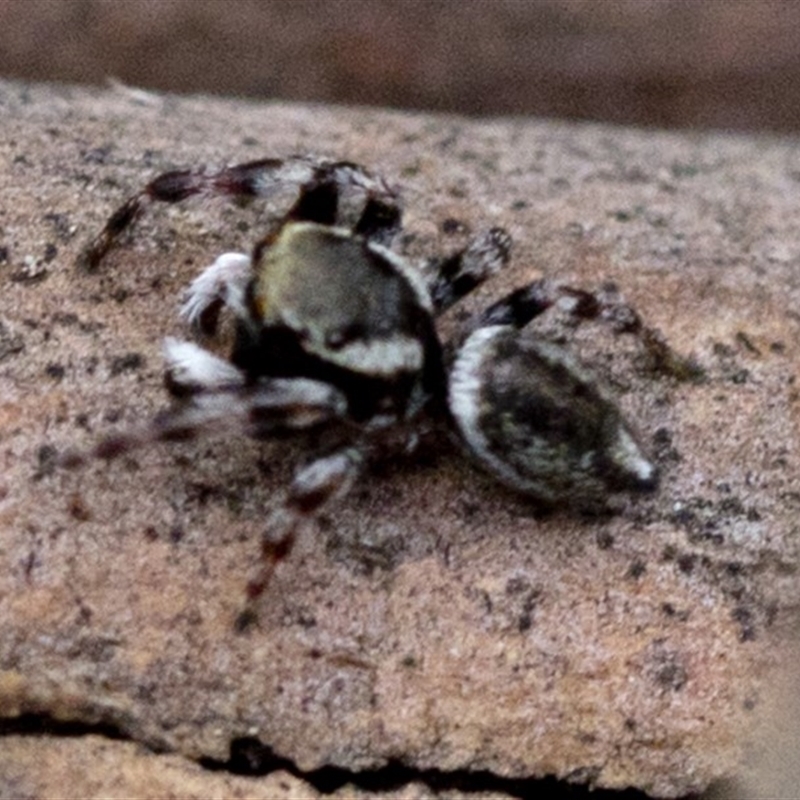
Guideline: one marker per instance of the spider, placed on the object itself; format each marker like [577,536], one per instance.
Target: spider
[335,333]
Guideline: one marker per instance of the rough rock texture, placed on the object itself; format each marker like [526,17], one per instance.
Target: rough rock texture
[92,766]
[32,767]
[434,619]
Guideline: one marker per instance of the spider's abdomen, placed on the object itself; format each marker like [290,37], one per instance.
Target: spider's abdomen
[534,417]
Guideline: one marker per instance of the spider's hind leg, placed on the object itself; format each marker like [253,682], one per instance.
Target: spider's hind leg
[605,305]
[522,305]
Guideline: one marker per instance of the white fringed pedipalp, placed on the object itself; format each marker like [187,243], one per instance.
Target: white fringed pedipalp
[224,283]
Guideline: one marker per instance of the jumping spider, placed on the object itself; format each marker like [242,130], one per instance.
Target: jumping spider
[335,332]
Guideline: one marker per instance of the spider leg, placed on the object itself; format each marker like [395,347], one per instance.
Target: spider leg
[522,305]
[213,396]
[453,277]
[244,180]
[606,305]
[519,307]
[313,488]
[192,370]
[379,215]
[210,402]
[342,193]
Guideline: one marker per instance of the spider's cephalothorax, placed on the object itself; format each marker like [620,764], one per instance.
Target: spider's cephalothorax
[322,302]
[334,330]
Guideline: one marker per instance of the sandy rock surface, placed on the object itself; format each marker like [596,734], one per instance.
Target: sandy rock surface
[98,767]
[434,619]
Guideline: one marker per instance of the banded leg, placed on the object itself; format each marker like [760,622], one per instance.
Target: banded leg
[213,397]
[379,214]
[522,305]
[342,193]
[451,278]
[606,305]
[314,488]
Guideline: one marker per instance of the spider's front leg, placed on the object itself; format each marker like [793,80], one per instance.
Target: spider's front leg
[326,192]
[313,488]
[341,193]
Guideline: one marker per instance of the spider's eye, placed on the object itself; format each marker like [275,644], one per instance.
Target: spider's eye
[336,339]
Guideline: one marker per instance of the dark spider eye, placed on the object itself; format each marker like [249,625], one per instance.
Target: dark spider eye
[335,340]
[338,338]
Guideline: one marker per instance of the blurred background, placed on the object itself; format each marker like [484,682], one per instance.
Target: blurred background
[732,64]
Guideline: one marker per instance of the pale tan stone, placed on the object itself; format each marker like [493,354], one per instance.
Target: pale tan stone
[97,767]
[433,618]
